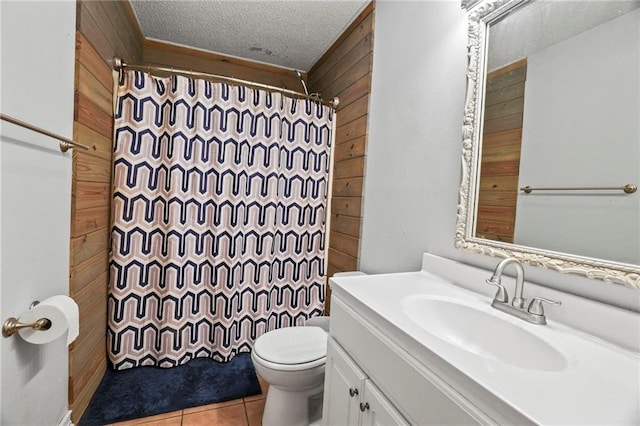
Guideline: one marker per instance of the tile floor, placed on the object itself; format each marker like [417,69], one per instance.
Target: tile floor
[239,412]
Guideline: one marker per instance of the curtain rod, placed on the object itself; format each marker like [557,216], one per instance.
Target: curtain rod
[65,143]
[119,64]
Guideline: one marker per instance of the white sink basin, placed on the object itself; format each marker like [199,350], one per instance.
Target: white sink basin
[481,332]
[540,374]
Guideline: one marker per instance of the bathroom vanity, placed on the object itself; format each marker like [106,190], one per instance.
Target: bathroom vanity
[416,348]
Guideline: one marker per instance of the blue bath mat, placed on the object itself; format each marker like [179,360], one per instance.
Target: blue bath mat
[147,391]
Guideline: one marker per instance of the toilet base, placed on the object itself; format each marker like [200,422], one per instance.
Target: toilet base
[285,408]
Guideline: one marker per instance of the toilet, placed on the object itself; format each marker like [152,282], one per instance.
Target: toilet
[292,361]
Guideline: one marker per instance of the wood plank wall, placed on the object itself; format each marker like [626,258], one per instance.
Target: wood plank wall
[345,71]
[169,55]
[103,30]
[501,142]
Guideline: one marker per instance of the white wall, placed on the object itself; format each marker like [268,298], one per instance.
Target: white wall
[588,136]
[413,155]
[415,123]
[37,83]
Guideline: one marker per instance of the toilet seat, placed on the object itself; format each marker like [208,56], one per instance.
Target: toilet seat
[292,348]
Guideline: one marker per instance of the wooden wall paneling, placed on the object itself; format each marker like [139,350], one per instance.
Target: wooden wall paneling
[501,139]
[346,244]
[88,245]
[186,51]
[500,157]
[500,168]
[347,225]
[101,146]
[93,194]
[104,30]
[91,87]
[341,46]
[357,109]
[346,64]
[346,206]
[513,73]
[89,364]
[87,25]
[94,169]
[129,37]
[356,90]
[89,374]
[85,272]
[116,31]
[512,91]
[501,153]
[498,183]
[164,54]
[348,187]
[345,71]
[509,122]
[350,167]
[360,69]
[350,149]
[500,198]
[82,399]
[89,58]
[351,130]
[341,261]
[92,302]
[91,115]
[89,220]
[503,109]
[491,230]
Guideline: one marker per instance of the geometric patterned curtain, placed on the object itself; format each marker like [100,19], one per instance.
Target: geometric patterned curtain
[219,212]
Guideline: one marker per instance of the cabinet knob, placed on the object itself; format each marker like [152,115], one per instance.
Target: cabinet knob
[353,392]
[364,406]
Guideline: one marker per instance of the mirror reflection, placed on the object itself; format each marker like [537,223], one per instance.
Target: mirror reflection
[561,108]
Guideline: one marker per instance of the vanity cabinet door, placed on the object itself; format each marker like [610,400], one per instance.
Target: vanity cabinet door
[344,386]
[377,410]
[350,398]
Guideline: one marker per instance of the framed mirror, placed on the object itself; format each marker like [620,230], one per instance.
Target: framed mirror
[551,136]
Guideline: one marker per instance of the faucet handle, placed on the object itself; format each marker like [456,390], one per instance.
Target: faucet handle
[535,307]
[501,294]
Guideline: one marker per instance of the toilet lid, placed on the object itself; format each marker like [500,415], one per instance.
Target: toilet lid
[292,345]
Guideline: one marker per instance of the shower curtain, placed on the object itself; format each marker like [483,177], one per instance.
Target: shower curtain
[219,210]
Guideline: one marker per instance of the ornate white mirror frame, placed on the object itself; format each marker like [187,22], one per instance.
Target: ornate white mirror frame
[479,17]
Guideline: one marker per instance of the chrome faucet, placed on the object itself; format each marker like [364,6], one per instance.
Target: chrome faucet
[534,313]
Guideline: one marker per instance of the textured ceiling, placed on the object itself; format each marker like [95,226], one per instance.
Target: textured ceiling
[291,34]
[541,24]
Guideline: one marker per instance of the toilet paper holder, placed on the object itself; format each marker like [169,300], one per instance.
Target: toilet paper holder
[11,325]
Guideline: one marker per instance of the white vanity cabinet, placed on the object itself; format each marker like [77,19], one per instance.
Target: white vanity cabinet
[366,364]
[353,399]
[425,351]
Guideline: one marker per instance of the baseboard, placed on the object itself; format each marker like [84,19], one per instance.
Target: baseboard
[66,420]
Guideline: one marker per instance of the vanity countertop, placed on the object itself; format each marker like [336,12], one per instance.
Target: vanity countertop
[596,383]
